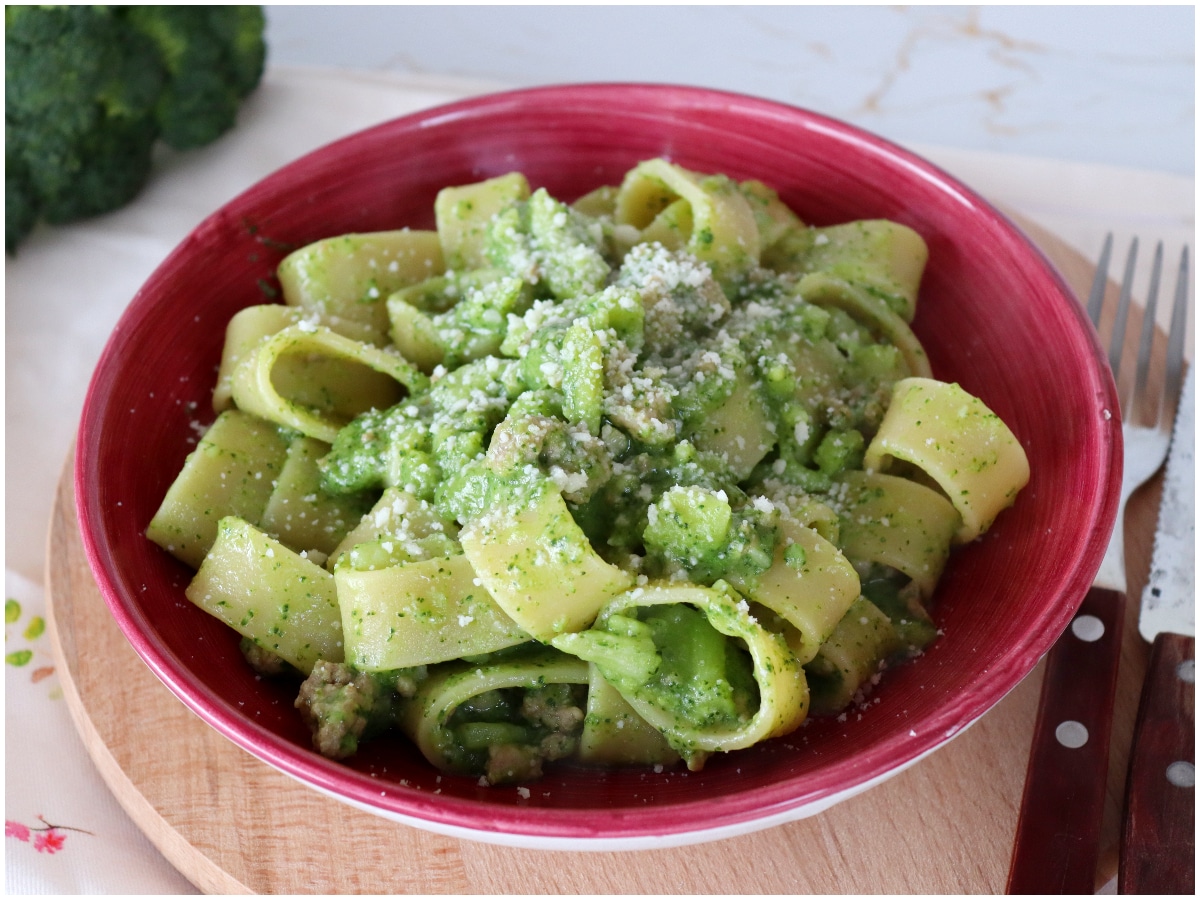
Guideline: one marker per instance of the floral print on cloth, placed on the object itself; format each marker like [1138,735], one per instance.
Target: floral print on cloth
[64,832]
[31,628]
[25,651]
[44,837]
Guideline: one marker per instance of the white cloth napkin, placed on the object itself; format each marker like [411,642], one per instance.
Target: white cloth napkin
[66,289]
[64,833]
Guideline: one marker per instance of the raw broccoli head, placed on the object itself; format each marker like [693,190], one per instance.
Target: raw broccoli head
[90,89]
[213,57]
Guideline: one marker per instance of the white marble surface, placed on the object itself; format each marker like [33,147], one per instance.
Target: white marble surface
[1101,84]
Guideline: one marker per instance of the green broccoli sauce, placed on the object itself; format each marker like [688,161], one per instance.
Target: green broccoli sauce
[692,398]
[607,370]
[704,678]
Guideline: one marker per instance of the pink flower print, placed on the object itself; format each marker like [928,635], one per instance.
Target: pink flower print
[47,839]
[50,841]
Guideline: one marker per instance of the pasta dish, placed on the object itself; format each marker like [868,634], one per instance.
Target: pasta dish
[626,481]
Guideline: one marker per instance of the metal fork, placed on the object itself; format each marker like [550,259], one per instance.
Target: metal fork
[1058,832]
[1146,415]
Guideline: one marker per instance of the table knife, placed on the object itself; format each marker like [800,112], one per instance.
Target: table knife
[1158,833]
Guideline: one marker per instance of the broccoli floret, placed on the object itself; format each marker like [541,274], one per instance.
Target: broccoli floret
[697,531]
[20,200]
[89,90]
[80,88]
[343,706]
[213,56]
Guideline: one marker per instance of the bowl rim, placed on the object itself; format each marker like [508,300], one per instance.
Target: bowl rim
[692,820]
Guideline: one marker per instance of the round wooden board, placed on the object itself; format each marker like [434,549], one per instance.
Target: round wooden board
[232,824]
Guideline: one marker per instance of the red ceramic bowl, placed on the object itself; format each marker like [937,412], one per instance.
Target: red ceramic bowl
[993,315]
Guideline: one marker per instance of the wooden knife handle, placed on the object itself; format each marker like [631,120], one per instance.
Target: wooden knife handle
[1057,845]
[1158,835]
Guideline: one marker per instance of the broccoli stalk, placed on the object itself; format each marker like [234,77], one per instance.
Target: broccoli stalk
[89,90]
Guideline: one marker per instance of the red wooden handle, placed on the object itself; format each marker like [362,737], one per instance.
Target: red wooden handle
[1058,833]
[1158,836]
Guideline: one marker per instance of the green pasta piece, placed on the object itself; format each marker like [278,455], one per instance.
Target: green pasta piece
[535,695]
[672,227]
[397,516]
[810,585]
[232,472]
[245,330]
[740,429]
[885,258]
[583,376]
[283,602]
[959,443]
[418,613]
[775,220]
[464,214]
[724,233]
[316,381]
[540,567]
[415,334]
[898,523]
[615,735]
[827,289]
[348,278]
[300,513]
[852,658]
[382,553]
[723,681]
[598,203]
[252,325]
[468,321]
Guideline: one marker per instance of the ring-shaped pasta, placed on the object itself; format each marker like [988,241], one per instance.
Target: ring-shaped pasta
[426,717]
[824,289]
[345,278]
[898,523]
[957,441]
[721,227]
[315,380]
[417,613]
[810,585]
[540,567]
[783,690]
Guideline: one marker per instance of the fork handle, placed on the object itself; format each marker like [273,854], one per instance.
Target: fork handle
[1057,845]
[1158,835]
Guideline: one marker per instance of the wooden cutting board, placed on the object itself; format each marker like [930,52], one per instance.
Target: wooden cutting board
[232,824]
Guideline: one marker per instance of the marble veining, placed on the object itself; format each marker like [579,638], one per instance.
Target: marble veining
[1100,84]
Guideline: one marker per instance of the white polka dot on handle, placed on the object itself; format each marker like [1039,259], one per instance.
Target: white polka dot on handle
[1071,734]
[1181,774]
[1087,628]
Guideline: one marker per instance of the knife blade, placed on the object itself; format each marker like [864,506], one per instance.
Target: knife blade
[1158,833]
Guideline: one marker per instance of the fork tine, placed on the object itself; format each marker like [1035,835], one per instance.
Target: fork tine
[1175,338]
[1116,343]
[1100,282]
[1146,344]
